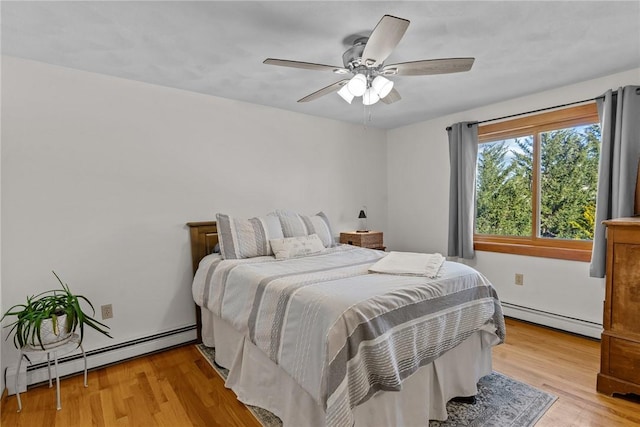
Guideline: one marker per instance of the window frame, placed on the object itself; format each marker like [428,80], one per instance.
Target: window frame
[576,250]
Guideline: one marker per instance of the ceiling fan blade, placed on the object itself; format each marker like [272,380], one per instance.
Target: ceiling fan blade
[305,65]
[392,97]
[324,91]
[384,38]
[429,66]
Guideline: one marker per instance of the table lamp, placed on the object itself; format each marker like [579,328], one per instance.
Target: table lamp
[362,218]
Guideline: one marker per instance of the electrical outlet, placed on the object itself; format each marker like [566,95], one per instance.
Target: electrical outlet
[519,279]
[107,311]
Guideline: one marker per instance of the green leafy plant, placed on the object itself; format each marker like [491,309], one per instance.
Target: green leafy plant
[51,304]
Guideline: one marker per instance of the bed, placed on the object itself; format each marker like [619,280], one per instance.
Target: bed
[319,341]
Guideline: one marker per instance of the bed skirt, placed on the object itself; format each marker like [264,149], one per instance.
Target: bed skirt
[257,381]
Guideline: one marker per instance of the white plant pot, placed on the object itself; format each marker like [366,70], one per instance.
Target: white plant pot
[53,337]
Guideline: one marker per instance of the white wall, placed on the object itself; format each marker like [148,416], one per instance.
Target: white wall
[418,189]
[100,175]
[1,306]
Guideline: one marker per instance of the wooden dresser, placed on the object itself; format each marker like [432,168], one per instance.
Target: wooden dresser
[620,347]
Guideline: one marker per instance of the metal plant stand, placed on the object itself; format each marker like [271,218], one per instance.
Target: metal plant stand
[68,346]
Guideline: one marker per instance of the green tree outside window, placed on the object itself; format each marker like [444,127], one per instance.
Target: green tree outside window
[568,178]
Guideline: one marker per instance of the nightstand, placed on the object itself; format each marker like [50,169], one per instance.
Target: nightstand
[369,239]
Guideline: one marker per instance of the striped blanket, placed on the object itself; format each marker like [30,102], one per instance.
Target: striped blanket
[341,332]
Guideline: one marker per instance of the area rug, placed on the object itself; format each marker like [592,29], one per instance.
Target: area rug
[501,402]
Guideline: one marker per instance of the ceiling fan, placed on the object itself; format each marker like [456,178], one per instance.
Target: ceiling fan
[365,60]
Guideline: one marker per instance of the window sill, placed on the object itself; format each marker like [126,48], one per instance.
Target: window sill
[583,255]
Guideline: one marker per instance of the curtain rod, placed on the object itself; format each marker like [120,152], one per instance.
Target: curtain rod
[448,128]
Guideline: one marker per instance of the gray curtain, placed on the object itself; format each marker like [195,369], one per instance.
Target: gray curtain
[463,155]
[620,122]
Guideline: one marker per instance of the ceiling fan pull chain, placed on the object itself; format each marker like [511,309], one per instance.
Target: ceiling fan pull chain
[364,117]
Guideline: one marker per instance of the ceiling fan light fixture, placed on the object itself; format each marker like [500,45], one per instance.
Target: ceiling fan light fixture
[357,85]
[345,94]
[370,97]
[365,61]
[382,86]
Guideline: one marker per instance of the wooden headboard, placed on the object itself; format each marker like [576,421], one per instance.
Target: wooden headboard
[204,237]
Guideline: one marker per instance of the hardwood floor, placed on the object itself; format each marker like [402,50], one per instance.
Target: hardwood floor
[174,388]
[178,388]
[565,365]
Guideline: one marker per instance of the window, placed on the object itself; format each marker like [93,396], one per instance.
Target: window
[536,184]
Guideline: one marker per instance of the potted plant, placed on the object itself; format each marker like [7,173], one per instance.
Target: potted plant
[50,318]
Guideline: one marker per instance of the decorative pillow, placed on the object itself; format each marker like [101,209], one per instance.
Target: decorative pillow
[292,247]
[246,238]
[294,225]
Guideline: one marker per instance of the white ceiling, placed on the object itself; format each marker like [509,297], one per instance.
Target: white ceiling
[217,48]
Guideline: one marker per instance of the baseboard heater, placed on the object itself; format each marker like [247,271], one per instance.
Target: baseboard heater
[37,372]
[553,320]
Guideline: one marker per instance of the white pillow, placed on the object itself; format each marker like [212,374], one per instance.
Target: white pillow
[299,246]
[246,238]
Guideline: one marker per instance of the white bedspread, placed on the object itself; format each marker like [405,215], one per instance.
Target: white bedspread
[344,334]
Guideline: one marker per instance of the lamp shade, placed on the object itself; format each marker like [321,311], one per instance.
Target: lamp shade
[362,221]
[345,94]
[357,85]
[382,86]
[370,97]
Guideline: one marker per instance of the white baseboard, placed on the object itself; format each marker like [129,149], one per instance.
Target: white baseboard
[565,323]
[37,372]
